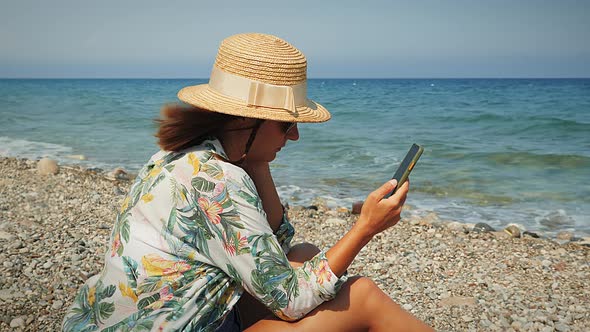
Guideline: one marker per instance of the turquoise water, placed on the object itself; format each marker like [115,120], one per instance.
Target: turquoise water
[500,150]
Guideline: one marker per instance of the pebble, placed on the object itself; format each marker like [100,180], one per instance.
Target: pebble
[57,305]
[77,156]
[456,226]
[17,244]
[342,210]
[120,174]
[514,231]
[565,236]
[118,191]
[17,322]
[335,222]
[531,234]
[47,166]
[457,301]
[6,236]
[482,228]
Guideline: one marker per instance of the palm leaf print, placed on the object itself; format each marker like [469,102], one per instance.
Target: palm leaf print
[272,267]
[213,170]
[202,185]
[130,267]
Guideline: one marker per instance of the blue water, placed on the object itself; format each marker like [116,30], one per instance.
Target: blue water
[497,150]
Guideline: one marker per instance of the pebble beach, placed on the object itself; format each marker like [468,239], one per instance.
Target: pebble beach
[54,231]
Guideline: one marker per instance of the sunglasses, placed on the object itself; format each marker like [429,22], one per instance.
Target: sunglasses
[288,126]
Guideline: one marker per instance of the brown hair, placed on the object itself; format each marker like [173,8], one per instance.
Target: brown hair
[182,126]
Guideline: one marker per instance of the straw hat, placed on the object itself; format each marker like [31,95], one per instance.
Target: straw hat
[257,76]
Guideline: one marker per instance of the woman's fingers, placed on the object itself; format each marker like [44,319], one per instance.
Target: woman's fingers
[400,194]
[380,192]
[380,213]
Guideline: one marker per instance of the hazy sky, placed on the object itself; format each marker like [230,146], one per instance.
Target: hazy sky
[361,38]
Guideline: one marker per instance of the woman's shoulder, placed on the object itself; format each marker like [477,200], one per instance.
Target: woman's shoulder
[205,161]
[202,152]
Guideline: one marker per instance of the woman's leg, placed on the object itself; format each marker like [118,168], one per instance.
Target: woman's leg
[359,306]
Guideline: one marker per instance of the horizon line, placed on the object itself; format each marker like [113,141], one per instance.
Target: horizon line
[309,78]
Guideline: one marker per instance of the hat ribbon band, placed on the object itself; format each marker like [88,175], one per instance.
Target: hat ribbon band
[256,93]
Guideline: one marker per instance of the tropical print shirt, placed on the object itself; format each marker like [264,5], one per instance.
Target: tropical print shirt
[190,236]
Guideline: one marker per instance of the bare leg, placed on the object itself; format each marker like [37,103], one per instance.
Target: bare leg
[359,306]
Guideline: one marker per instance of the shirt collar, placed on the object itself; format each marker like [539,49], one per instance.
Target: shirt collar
[213,145]
[210,144]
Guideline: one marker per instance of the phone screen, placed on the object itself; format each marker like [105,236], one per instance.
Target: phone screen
[406,166]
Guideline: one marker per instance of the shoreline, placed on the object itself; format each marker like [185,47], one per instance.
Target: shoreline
[121,174]
[54,231]
[543,213]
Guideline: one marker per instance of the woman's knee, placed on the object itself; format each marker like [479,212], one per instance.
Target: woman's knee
[366,290]
[363,284]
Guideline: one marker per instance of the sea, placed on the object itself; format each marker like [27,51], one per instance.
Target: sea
[499,151]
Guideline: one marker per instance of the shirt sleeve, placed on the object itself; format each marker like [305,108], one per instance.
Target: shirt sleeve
[246,249]
[285,232]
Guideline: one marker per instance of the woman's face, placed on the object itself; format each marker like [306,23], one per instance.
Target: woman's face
[271,137]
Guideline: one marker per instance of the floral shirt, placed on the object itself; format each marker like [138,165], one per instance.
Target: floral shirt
[189,238]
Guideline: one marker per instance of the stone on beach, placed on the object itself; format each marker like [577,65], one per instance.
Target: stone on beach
[531,234]
[47,166]
[513,230]
[77,156]
[564,235]
[585,241]
[456,301]
[335,222]
[119,174]
[483,228]
[17,322]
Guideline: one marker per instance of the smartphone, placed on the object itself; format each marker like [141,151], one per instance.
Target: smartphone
[404,169]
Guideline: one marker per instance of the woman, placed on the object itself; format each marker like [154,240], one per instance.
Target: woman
[202,241]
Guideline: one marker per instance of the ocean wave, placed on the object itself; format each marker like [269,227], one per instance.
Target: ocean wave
[556,220]
[33,150]
[535,160]
[11,147]
[475,197]
[544,124]
[486,118]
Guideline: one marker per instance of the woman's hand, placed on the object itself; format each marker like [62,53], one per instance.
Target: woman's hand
[378,213]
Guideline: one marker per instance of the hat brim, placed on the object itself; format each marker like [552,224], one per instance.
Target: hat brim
[203,97]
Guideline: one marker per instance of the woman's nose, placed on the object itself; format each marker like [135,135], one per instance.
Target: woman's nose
[293,134]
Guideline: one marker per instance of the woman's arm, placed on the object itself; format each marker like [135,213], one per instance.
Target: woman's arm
[260,174]
[377,215]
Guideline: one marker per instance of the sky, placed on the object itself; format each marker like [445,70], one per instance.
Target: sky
[341,39]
